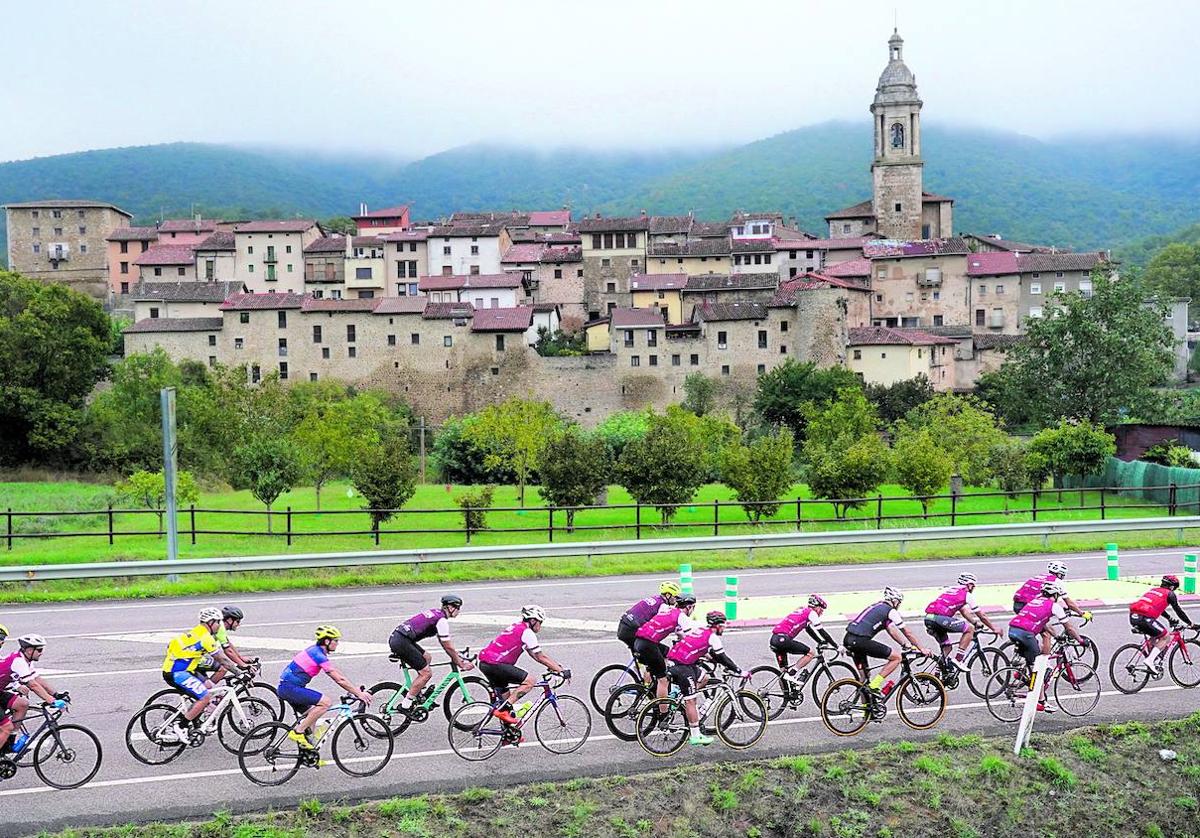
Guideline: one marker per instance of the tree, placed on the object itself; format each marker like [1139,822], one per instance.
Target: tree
[125,420]
[1175,271]
[621,428]
[713,432]
[149,489]
[343,224]
[560,343]
[666,466]
[1169,452]
[894,401]
[54,345]
[512,434]
[333,437]
[784,391]
[1075,449]
[574,467]
[700,393]
[921,465]
[964,428]
[1090,358]
[474,505]
[386,477]
[845,456]
[1010,466]
[268,466]
[759,472]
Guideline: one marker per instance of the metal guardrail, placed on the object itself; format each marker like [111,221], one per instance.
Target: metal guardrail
[504,552]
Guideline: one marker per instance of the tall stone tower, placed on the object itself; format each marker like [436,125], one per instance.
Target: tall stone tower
[897,168]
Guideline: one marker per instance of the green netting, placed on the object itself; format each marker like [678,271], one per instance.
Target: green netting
[1148,481]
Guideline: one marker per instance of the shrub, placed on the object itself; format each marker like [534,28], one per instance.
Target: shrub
[474,505]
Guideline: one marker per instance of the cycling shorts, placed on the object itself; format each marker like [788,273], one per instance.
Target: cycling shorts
[410,652]
[186,683]
[782,646]
[1027,643]
[7,699]
[627,632]
[301,698]
[940,627]
[1147,625]
[686,676]
[861,648]
[501,676]
[652,655]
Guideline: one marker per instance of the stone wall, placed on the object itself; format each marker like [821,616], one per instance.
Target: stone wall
[86,266]
[898,183]
[899,292]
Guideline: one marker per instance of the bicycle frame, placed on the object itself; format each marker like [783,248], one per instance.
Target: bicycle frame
[48,726]
[453,677]
[548,695]
[1174,637]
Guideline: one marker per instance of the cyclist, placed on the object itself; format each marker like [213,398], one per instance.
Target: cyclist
[185,655]
[784,642]
[1144,617]
[956,611]
[1031,629]
[687,675]
[644,609]
[860,639]
[406,638]
[497,660]
[231,619]
[294,680]
[19,678]
[648,646]
[1056,571]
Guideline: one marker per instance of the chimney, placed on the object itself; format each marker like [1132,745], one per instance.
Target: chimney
[362,208]
[643,213]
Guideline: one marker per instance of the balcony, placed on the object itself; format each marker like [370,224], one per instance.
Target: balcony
[997,320]
[930,279]
[270,257]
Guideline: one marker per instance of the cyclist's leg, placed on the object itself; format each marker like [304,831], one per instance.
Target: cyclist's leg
[309,705]
[191,686]
[1159,635]
[415,658]
[934,627]
[6,723]
[627,634]
[684,676]
[873,648]
[781,658]
[653,658]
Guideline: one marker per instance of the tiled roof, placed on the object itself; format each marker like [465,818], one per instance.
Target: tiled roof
[327,244]
[692,247]
[167,254]
[992,263]
[661,225]
[67,204]
[176,324]
[753,246]
[367,241]
[386,212]
[325,304]
[465,230]
[513,217]
[561,255]
[848,243]
[882,336]
[741,216]
[447,311]
[931,198]
[786,294]
[1009,244]
[732,282]
[133,234]
[516,319]
[526,235]
[406,236]
[186,292]
[849,268]
[451,283]
[220,240]
[188,225]
[523,253]
[633,318]
[709,229]
[550,218]
[402,305]
[989,341]
[281,225]
[657,282]
[863,209]
[888,249]
[720,312]
[254,302]
[1059,261]
[613,225]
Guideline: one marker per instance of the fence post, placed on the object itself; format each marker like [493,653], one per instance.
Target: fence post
[637,520]
[1102,509]
[953,508]
[9,528]
[467,522]
[731,592]
[192,521]
[110,525]
[685,578]
[421,423]
[1114,569]
[799,501]
[879,511]
[1171,499]
[550,529]
[289,528]
[1189,573]
[716,517]
[1036,492]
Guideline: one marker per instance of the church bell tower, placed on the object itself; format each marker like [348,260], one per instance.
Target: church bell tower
[897,167]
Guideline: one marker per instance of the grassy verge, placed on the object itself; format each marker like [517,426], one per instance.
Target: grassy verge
[1107,780]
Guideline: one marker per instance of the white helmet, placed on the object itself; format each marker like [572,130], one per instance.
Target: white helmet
[1058,569]
[210,615]
[1052,589]
[533,612]
[893,595]
[966,579]
[35,640]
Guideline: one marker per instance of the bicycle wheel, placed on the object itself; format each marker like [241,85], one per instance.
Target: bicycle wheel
[1088,654]
[922,701]
[149,736]
[67,756]
[846,707]
[608,680]
[266,693]
[1124,669]
[387,696]
[621,712]
[1184,664]
[822,677]
[983,666]
[162,697]
[1077,689]
[272,763]
[474,734]
[562,724]
[740,721]
[662,727]
[1005,694]
[478,689]
[362,745]
[240,717]
[768,683]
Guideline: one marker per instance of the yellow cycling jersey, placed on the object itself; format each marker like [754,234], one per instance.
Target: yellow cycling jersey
[185,651]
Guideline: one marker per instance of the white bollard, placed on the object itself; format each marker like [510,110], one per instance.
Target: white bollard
[1031,702]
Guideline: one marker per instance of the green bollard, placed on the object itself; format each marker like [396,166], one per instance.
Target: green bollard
[1189,573]
[731,597]
[1114,570]
[685,578]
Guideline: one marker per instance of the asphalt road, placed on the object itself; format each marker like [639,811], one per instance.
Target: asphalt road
[108,655]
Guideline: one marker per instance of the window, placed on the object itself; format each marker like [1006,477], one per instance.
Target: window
[415,338]
[474,271]
[124,265]
[474,250]
[1035,274]
[287,249]
[762,368]
[154,313]
[350,333]
[124,287]
[881,272]
[478,302]
[725,369]
[651,337]
[316,334]
[494,302]
[158,271]
[558,273]
[56,213]
[937,295]
[898,206]
[82,230]
[325,352]
[446,250]
[58,231]
[255,374]
[858,354]
[283,319]
[1035,311]
[937,320]
[606,263]
[182,270]
[237,343]
[499,343]
[1058,274]
[312,376]
[352,351]
[767,259]
[694,360]
[980,315]
[654,360]
[210,269]
[124,245]
[250,250]
[845,228]
[244,317]
[722,340]
[611,287]
[879,298]
[1060,287]
[999,290]
[628,337]
[675,360]
[783,325]
[882,354]
[362,273]
[283,347]
[212,361]
[762,338]
[412,286]
[908,296]
[391,340]
[635,361]
[448,340]
[35,213]
[983,290]
[1085,287]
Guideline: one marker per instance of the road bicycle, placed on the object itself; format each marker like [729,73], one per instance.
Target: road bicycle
[151,734]
[612,678]
[247,687]
[983,661]
[738,717]
[361,744]
[1128,672]
[1074,686]
[561,723]
[850,703]
[1087,652]
[781,690]
[455,690]
[64,756]
[623,706]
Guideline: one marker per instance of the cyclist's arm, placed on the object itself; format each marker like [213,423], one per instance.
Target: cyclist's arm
[1173,601]
[820,635]
[904,636]
[223,659]
[1072,608]
[345,683]
[716,651]
[546,661]
[459,660]
[40,688]
[234,655]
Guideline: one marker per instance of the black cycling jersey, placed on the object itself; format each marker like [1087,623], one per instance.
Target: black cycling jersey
[871,620]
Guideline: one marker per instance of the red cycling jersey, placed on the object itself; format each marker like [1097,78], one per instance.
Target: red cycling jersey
[1153,603]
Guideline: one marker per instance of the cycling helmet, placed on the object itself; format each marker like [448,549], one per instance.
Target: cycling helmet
[1058,569]
[670,589]
[34,640]
[893,595]
[817,601]
[966,579]
[3,632]
[1170,581]
[232,612]
[714,618]
[210,615]
[685,600]
[327,632]
[533,612]
[1052,589]
[451,600]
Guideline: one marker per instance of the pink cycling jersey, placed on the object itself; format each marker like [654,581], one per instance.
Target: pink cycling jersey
[691,648]
[6,670]
[949,602]
[659,626]
[1035,616]
[793,623]
[1033,587]
[507,646]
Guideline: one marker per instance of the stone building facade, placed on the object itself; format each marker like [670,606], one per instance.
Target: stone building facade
[612,250]
[64,242]
[919,284]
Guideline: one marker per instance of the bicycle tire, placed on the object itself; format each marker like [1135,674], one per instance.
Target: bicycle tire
[1005,694]
[662,727]
[1077,691]
[1089,655]
[1123,670]
[470,736]
[572,726]
[145,727]
[767,681]
[826,675]
[926,693]
[621,712]
[745,711]
[280,755]
[354,736]
[477,688]
[53,746]
[607,681]
[849,699]
[983,665]
[268,693]
[1190,667]
[239,718]
[397,720]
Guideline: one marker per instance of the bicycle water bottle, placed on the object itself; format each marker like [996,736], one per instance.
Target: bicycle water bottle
[674,691]
[887,688]
[523,708]
[20,742]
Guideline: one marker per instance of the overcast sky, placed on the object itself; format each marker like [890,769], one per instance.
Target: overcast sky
[414,78]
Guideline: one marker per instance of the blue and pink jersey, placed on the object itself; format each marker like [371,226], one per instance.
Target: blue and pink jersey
[306,666]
